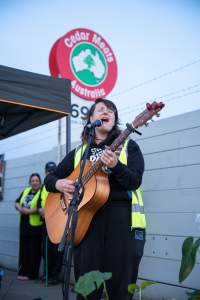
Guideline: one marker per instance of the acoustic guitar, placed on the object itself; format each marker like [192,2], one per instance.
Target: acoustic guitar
[95,187]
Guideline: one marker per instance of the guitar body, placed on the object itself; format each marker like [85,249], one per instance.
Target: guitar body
[94,196]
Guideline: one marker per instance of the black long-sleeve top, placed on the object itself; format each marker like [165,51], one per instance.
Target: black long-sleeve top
[122,178]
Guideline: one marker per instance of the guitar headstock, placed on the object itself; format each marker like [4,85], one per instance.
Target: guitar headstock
[152,109]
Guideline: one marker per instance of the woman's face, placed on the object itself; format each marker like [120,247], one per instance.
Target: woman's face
[105,114]
[35,183]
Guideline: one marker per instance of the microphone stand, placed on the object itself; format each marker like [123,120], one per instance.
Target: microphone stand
[67,242]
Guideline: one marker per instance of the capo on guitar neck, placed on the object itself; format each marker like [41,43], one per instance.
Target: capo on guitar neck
[132,129]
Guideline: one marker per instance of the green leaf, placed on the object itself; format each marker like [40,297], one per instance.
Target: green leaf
[146,284]
[189,251]
[84,286]
[195,295]
[90,281]
[132,287]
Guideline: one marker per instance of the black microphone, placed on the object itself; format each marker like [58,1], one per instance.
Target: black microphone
[94,124]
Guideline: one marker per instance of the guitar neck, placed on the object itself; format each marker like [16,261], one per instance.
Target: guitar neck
[142,119]
[99,164]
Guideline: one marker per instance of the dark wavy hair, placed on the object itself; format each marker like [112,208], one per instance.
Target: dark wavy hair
[35,174]
[110,105]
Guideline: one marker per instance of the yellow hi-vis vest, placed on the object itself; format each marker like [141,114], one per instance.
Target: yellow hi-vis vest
[34,219]
[44,195]
[138,219]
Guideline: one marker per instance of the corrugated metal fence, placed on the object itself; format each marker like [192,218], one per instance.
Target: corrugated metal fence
[171,188]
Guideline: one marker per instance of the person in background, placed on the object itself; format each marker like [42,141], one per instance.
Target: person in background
[52,258]
[30,230]
[115,239]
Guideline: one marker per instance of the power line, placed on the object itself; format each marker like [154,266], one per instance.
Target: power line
[164,96]
[157,78]
[184,95]
[166,101]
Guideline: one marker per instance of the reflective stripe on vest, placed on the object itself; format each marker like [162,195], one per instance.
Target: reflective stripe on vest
[44,195]
[138,219]
[34,219]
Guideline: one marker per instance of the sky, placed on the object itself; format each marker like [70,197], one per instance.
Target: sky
[156,44]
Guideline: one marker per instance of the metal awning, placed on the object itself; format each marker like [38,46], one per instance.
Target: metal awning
[28,100]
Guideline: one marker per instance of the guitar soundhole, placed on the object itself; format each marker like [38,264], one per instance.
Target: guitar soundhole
[64,204]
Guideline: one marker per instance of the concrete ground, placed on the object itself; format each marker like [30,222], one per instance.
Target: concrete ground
[14,289]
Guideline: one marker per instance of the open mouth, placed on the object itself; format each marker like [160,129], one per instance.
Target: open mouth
[105,120]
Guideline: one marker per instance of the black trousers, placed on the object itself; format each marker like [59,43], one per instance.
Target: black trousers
[52,258]
[111,246]
[29,255]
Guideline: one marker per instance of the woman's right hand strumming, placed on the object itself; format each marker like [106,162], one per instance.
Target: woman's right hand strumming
[65,186]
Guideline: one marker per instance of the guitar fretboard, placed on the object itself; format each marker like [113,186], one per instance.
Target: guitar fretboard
[99,164]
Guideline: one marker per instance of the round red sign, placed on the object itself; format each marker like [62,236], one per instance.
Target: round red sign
[83,56]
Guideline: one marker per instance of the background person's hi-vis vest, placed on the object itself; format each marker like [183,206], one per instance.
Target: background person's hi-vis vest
[138,219]
[34,219]
[43,196]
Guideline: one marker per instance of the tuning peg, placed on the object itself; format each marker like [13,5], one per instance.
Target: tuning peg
[152,120]
[161,104]
[146,124]
[158,115]
[148,106]
[154,105]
